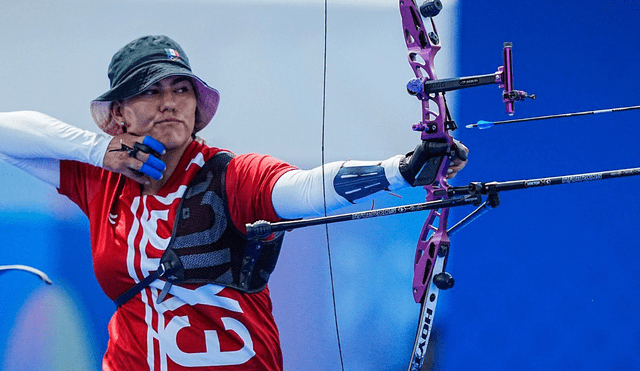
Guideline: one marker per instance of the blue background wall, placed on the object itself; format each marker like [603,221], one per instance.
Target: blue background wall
[549,280]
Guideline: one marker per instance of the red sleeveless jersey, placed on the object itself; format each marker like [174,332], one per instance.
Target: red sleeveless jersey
[198,327]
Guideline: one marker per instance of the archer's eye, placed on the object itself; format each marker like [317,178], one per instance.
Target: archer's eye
[183,89]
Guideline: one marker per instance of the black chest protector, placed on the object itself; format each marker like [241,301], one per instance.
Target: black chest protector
[206,247]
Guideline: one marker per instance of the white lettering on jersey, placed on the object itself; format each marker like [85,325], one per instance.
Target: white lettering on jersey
[198,160]
[144,230]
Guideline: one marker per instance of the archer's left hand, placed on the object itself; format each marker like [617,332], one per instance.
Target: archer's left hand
[421,166]
[459,161]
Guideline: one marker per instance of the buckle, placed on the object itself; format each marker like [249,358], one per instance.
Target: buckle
[161,270]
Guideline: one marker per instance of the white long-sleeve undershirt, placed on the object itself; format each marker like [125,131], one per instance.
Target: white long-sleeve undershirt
[35,143]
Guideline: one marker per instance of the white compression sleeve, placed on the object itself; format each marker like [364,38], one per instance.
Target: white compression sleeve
[45,169]
[36,143]
[298,193]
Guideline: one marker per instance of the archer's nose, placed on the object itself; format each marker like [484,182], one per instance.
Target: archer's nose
[167,102]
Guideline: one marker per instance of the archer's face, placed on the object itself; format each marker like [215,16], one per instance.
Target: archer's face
[165,111]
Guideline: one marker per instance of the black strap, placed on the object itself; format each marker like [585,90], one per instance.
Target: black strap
[139,286]
[170,263]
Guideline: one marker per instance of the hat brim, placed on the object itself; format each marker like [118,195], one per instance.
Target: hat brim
[207,97]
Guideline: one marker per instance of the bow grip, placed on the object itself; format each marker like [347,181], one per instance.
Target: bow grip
[420,167]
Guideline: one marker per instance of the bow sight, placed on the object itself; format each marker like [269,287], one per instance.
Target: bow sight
[422,87]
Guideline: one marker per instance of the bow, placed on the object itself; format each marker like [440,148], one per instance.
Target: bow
[433,246]
[433,243]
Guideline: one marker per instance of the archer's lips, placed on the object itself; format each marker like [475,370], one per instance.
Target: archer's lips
[169,121]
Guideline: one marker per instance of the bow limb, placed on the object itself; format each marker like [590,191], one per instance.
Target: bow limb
[433,243]
[37,272]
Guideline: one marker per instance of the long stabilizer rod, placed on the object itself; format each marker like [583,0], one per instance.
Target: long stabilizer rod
[458,196]
[262,229]
[489,124]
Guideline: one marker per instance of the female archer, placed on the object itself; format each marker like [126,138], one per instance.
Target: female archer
[157,198]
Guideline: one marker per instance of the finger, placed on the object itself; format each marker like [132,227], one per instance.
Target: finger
[142,148]
[154,144]
[460,151]
[462,146]
[155,163]
[454,170]
[150,171]
[458,161]
[457,165]
[135,175]
[451,173]
[146,154]
[118,161]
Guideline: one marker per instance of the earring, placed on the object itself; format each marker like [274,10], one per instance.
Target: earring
[122,123]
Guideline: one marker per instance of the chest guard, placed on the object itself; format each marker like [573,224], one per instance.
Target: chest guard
[206,247]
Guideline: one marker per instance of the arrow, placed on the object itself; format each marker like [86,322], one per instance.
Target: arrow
[489,124]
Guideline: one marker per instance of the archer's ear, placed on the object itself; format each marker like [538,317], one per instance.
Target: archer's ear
[116,111]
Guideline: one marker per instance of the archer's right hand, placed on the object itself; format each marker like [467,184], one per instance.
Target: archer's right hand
[135,157]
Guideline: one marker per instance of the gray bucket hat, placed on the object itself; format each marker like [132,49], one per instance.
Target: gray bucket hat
[139,65]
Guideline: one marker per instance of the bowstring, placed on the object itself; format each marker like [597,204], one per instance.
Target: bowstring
[324,192]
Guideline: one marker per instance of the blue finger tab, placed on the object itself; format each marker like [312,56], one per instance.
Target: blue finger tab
[148,170]
[155,163]
[154,144]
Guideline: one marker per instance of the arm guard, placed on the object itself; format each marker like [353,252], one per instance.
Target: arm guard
[298,193]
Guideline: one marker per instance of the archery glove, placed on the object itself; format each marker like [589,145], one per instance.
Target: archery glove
[420,166]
